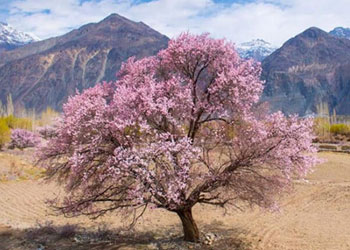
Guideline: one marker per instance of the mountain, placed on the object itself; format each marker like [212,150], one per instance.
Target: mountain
[45,73]
[257,49]
[309,69]
[11,38]
[341,32]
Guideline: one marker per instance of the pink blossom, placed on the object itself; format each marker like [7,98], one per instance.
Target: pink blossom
[177,129]
[21,138]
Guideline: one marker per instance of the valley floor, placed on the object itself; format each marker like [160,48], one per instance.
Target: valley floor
[315,216]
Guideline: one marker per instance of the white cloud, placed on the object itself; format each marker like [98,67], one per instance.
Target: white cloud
[272,20]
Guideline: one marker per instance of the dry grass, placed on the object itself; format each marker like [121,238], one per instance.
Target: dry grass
[16,165]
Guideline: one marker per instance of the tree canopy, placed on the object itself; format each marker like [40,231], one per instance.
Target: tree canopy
[176,129]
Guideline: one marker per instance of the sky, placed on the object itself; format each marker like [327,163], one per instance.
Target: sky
[274,21]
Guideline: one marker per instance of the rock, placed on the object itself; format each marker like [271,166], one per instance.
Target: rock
[81,238]
[40,247]
[209,238]
[152,246]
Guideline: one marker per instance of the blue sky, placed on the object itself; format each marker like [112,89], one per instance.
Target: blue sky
[238,20]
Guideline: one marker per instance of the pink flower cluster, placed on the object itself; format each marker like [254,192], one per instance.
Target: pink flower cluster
[21,138]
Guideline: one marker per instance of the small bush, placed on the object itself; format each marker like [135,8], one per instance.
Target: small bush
[5,133]
[47,132]
[346,147]
[67,231]
[328,147]
[42,230]
[21,138]
[340,129]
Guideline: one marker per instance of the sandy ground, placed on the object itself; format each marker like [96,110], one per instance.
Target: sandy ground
[316,215]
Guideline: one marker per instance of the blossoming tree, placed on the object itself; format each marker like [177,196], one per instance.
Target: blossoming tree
[177,129]
[22,138]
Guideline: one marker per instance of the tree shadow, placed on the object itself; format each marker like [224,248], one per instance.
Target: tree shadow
[68,237]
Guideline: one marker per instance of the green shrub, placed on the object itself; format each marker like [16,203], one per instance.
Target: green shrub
[5,133]
[340,129]
[21,123]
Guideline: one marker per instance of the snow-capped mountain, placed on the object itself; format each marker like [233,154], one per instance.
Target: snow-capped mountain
[341,32]
[257,49]
[11,38]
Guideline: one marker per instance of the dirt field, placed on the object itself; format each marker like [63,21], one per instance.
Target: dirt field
[315,216]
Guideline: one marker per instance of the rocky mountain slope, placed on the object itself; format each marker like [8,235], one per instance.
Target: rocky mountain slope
[257,49]
[311,68]
[341,32]
[10,38]
[45,73]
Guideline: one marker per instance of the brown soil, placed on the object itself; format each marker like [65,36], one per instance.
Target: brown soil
[314,216]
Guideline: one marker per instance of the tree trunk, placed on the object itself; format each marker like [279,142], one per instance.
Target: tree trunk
[190,229]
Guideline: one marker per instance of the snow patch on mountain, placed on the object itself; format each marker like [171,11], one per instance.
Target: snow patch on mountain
[12,37]
[341,32]
[257,49]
